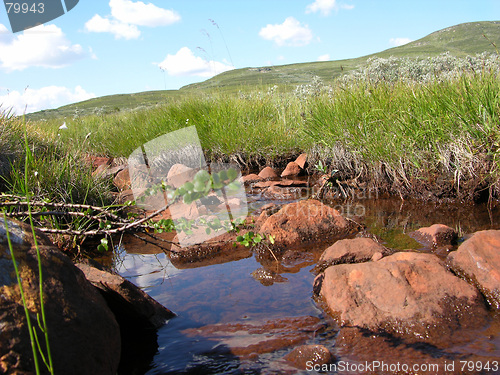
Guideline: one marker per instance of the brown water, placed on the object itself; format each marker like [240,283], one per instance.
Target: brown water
[230,322]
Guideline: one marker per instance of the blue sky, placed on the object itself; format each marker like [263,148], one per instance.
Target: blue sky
[106,47]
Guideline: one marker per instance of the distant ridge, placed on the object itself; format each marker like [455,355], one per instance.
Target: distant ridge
[459,40]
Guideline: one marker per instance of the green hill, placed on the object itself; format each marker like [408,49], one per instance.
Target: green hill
[460,40]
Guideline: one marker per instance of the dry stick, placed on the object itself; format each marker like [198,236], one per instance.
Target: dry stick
[63,205]
[105,231]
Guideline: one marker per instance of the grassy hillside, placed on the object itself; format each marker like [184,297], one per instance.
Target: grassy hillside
[459,40]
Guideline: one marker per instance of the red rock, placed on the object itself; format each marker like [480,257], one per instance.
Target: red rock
[180,174]
[478,260]
[301,161]
[292,169]
[83,332]
[268,172]
[97,161]
[306,221]
[251,178]
[408,294]
[306,356]
[354,250]
[122,179]
[436,235]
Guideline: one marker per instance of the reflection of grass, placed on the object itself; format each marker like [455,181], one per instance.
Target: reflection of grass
[395,238]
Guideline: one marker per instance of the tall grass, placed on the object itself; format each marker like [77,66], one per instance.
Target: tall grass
[254,126]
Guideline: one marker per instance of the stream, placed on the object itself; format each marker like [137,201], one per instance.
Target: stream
[237,316]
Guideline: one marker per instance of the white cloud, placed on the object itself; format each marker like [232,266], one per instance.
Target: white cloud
[33,100]
[43,46]
[126,15]
[396,42]
[185,63]
[290,32]
[138,13]
[325,57]
[98,24]
[326,6]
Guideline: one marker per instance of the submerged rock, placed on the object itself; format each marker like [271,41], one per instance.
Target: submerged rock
[387,355]
[267,277]
[249,340]
[306,356]
[306,221]
[407,294]
[478,260]
[83,333]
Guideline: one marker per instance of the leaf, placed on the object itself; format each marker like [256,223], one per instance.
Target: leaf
[271,239]
[232,174]
[239,238]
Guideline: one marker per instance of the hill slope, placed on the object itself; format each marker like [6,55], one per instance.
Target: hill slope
[459,40]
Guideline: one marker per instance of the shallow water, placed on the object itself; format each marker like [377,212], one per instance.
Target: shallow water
[223,308]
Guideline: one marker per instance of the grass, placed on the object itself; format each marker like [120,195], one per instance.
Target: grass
[403,135]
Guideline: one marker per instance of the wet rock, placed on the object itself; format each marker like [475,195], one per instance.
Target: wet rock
[247,340]
[83,332]
[478,260]
[306,221]
[268,172]
[436,235]
[292,169]
[251,178]
[359,346]
[306,356]
[219,249]
[407,294]
[301,161]
[292,258]
[132,307]
[355,250]
[267,278]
